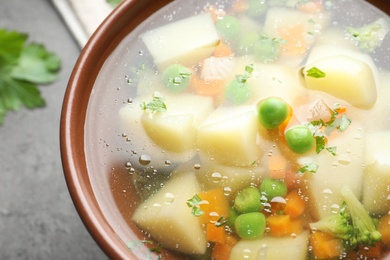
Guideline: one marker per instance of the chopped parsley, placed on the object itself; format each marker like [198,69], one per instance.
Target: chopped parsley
[315,72]
[320,128]
[22,67]
[311,167]
[194,204]
[243,78]
[221,222]
[156,105]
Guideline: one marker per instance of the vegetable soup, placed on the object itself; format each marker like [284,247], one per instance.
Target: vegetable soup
[247,129]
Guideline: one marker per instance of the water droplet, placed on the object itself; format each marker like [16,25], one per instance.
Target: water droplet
[227,191]
[130,100]
[335,208]
[124,135]
[327,191]
[169,198]
[131,170]
[128,164]
[197,166]
[145,159]
[344,159]
[167,162]
[216,177]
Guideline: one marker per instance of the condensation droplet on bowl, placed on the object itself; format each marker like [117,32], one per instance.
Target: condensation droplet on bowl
[145,159]
[335,208]
[167,163]
[169,198]
[227,191]
[216,177]
[197,166]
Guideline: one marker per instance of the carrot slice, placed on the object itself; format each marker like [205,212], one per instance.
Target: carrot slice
[222,50]
[222,251]
[281,225]
[215,234]
[277,165]
[214,205]
[295,204]
[384,229]
[325,246]
[211,88]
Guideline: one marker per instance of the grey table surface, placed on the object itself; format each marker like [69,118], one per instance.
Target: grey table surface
[37,216]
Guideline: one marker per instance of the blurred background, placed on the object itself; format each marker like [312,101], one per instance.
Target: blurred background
[37,217]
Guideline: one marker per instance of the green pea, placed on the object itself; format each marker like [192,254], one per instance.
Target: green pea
[299,138]
[246,43]
[228,27]
[237,92]
[272,112]
[177,77]
[256,7]
[266,49]
[250,225]
[248,200]
[232,217]
[272,188]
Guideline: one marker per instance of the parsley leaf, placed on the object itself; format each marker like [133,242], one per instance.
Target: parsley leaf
[194,203]
[315,73]
[310,167]
[156,105]
[22,66]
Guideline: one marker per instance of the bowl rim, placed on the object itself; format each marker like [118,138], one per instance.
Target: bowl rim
[125,17]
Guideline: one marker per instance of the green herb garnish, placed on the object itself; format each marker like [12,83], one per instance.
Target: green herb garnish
[156,105]
[22,67]
[194,204]
[243,78]
[320,128]
[221,221]
[156,249]
[310,167]
[315,73]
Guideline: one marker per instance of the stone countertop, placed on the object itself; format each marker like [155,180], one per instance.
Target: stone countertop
[37,217]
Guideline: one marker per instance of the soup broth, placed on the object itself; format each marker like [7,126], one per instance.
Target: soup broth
[247,130]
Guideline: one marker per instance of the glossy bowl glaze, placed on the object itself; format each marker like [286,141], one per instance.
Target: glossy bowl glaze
[125,18]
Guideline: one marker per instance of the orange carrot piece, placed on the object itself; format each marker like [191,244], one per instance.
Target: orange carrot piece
[240,6]
[295,40]
[295,204]
[312,7]
[222,251]
[222,50]
[281,225]
[277,166]
[215,234]
[211,88]
[325,246]
[384,229]
[214,205]
[282,127]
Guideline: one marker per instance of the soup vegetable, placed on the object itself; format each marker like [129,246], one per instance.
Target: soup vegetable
[262,132]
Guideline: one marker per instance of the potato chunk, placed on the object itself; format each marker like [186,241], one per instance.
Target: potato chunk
[272,248]
[229,136]
[166,216]
[376,188]
[175,130]
[186,41]
[334,172]
[347,78]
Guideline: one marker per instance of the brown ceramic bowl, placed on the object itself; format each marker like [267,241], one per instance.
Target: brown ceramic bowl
[102,226]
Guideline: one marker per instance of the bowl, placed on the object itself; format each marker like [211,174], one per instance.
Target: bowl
[95,166]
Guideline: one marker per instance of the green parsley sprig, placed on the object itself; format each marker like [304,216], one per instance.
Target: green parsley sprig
[156,105]
[194,204]
[22,67]
[320,129]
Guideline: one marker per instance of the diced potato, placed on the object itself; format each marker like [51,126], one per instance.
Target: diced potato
[347,78]
[166,216]
[175,130]
[229,136]
[186,41]
[334,172]
[299,29]
[231,179]
[272,248]
[139,140]
[376,188]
